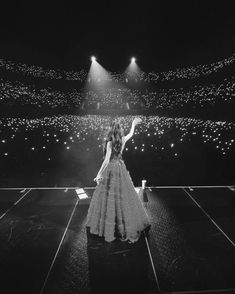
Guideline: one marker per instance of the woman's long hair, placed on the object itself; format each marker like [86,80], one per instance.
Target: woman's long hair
[114,134]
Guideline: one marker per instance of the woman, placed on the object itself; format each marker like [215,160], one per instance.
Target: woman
[116,210]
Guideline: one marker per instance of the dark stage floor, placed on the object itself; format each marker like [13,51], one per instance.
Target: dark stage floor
[45,247]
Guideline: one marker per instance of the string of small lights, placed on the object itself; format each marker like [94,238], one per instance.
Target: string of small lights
[160,134]
[178,73]
[199,96]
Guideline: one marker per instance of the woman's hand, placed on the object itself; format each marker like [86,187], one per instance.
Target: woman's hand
[98,179]
[137,120]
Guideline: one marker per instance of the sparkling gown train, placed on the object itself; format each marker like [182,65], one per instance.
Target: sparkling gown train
[115,210]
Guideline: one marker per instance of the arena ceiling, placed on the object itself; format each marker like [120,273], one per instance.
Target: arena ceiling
[160,34]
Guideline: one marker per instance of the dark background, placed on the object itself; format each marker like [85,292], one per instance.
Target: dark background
[161,34]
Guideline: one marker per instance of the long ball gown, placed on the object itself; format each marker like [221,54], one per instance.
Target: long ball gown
[115,210]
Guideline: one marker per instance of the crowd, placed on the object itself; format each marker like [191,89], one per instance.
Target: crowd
[18,94]
[162,134]
[191,72]
[171,137]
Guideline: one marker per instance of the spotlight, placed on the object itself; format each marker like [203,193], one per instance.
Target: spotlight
[93,58]
[81,193]
[133,59]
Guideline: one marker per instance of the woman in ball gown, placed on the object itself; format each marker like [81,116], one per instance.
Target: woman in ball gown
[115,210]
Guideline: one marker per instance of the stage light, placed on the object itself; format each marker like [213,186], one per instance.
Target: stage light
[81,193]
[97,75]
[133,59]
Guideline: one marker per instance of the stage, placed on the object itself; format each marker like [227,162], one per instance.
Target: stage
[45,247]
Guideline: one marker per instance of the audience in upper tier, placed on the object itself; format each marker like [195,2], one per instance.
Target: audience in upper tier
[178,73]
[18,94]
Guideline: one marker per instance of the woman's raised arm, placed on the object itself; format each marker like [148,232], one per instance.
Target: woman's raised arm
[131,133]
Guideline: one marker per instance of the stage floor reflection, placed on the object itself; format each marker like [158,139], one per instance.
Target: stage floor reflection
[46,248]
